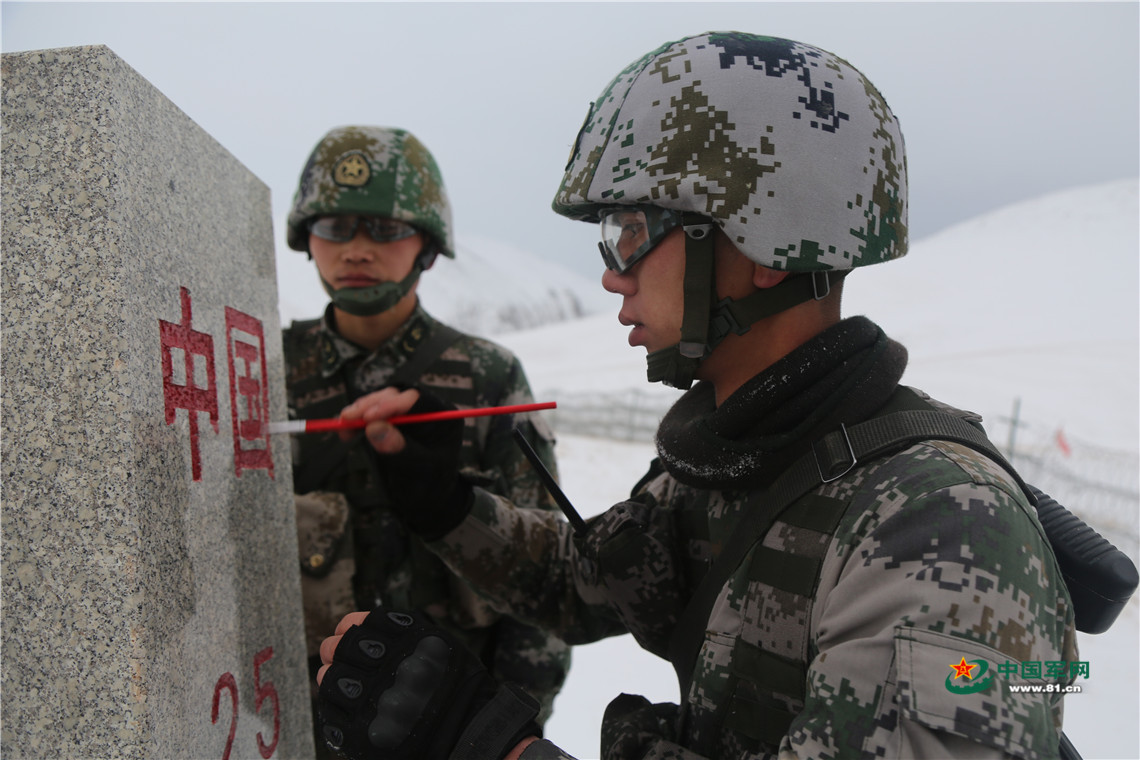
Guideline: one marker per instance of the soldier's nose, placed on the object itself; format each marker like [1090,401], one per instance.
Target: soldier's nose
[616,283]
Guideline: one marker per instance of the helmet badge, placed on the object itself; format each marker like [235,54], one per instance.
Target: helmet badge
[352,170]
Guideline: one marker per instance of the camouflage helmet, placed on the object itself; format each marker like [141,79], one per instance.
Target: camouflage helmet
[786,147]
[379,171]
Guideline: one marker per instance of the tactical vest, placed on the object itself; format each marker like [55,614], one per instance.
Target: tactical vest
[324,462]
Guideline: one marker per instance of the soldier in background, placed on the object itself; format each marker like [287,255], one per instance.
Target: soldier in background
[736,180]
[372,213]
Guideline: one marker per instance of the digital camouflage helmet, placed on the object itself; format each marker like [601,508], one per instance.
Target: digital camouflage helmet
[375,171]
[785,147]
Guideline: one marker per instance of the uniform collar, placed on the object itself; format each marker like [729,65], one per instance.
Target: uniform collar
[841,375]
[336,351]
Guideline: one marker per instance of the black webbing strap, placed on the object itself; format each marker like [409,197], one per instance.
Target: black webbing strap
[698,285]
[737,315]
[427,352]
[832,457]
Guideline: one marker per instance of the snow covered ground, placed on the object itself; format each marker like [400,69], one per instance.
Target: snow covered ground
[1036,302]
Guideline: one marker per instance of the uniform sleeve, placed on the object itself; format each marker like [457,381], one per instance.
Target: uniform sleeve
[526,561]
[522,652]
[919,582]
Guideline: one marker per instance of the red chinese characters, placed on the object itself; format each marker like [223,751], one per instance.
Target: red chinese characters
[187,395]
[198,391]
[249,392]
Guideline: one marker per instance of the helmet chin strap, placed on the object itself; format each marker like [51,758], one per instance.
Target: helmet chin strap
[378,298]
[676,366]
[704,325]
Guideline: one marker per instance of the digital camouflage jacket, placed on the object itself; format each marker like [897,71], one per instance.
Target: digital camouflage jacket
[355,554]
[896,632]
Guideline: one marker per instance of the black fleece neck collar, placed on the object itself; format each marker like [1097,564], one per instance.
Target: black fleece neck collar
[842,375]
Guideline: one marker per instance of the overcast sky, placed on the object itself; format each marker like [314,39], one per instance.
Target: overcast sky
[998,102]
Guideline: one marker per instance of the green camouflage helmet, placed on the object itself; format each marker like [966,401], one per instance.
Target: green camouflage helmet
[790,150]
[379,171]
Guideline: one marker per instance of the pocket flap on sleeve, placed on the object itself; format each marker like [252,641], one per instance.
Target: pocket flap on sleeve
[953,685]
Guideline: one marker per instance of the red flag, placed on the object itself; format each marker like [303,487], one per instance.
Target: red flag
[1063,443]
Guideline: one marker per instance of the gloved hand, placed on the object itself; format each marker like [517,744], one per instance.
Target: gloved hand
[631,726]
[400,688]
[422,480]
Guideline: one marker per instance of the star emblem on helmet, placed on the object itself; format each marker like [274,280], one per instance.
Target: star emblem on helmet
[351,170]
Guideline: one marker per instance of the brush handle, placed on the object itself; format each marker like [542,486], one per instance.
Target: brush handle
[335,423]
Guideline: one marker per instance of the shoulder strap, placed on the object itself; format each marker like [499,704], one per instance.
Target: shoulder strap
[832,457]
[426,353]
[291,336]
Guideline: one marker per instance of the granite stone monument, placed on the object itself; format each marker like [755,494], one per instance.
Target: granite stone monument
[151,592]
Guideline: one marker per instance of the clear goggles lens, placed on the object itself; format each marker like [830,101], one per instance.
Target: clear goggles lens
[341,229]
[630,232]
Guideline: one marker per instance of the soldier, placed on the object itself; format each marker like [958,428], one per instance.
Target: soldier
[815,600]
[372,213]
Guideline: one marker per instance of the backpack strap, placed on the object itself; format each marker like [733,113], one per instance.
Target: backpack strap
[427,352]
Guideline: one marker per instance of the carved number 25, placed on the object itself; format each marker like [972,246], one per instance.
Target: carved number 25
[261,691]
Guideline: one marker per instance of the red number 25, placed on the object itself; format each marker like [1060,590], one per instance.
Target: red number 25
[261,691]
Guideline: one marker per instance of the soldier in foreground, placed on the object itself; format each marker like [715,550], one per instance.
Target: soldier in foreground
[372,212]
[736,180]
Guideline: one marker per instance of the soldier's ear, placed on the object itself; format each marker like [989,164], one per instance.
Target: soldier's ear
[763,277]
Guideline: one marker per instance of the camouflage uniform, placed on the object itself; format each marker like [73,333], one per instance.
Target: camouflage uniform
[937,556]
[354,553]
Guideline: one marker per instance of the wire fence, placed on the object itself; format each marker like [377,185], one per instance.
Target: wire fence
[625,415]
[1100,485]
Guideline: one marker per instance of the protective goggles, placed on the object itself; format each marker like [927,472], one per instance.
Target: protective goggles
[341,229]
[631,232]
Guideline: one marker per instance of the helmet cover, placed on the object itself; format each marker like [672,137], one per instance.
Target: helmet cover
[379,171]
[789,149]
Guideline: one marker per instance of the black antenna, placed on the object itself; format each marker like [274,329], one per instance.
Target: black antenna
[564,504]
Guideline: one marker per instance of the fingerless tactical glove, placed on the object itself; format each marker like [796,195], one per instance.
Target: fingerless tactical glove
[632,726]
[400,688]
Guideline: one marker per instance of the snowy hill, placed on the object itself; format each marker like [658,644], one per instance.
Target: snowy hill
[489,288]
[492,288]
[1036,301]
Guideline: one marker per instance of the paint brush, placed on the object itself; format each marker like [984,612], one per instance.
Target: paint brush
[324,426]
